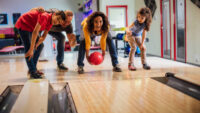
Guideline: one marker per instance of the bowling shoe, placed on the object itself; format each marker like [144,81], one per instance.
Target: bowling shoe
[145,66]
[117,68]
[132,68]
[35,75]
[62,67]
[80,70]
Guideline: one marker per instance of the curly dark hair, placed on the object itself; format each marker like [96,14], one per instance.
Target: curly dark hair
[90,22]
[146,12]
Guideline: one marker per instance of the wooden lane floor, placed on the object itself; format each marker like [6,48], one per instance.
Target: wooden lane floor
[14,70]
[2,88]
[192,75]
[33,97]
[102,89]
[130,96]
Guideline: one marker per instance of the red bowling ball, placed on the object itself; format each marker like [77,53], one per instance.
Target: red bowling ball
[96,58]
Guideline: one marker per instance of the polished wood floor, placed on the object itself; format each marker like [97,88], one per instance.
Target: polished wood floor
[100,90]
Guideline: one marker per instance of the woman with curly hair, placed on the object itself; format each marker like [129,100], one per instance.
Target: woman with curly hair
[134,33]
[95,25]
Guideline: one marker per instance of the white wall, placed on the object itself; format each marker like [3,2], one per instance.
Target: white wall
[154,44]
[129,3]
[192,27]
[193,32]
[22,6]
[130,11]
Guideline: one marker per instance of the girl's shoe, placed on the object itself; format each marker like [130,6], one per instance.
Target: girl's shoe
[145,66]
[132,68]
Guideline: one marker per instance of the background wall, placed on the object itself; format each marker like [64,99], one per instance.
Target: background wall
[129,3]
[193,33]
[154,44]
[22,6]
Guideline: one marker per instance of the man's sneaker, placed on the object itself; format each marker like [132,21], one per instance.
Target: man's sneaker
[132,68]
[62,67]
[145,66]
[117,68]
[35,75]
[80,70]
[39,72]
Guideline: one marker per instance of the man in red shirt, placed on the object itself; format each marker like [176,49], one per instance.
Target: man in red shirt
[29,25]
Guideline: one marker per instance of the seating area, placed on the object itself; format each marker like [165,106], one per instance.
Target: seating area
[11,49]
[10,42]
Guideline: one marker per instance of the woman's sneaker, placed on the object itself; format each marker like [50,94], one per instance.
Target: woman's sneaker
[80,70]
[117,68]
[145,66]
[62,67]
[132,68]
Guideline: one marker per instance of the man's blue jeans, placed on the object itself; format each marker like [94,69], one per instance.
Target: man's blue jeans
[26,39]
[60,46]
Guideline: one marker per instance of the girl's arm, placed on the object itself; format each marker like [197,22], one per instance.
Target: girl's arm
[143,36]
[33,40]
[131,25]
[128,32]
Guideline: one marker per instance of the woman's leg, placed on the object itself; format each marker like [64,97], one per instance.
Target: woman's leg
[113,54]
[112,51]
[81,53]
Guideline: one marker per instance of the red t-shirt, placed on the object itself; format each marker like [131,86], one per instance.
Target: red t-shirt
[28,21]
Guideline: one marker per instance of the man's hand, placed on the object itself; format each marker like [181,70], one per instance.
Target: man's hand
[41,39]
[72,40]
[29,54]
[36,45]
